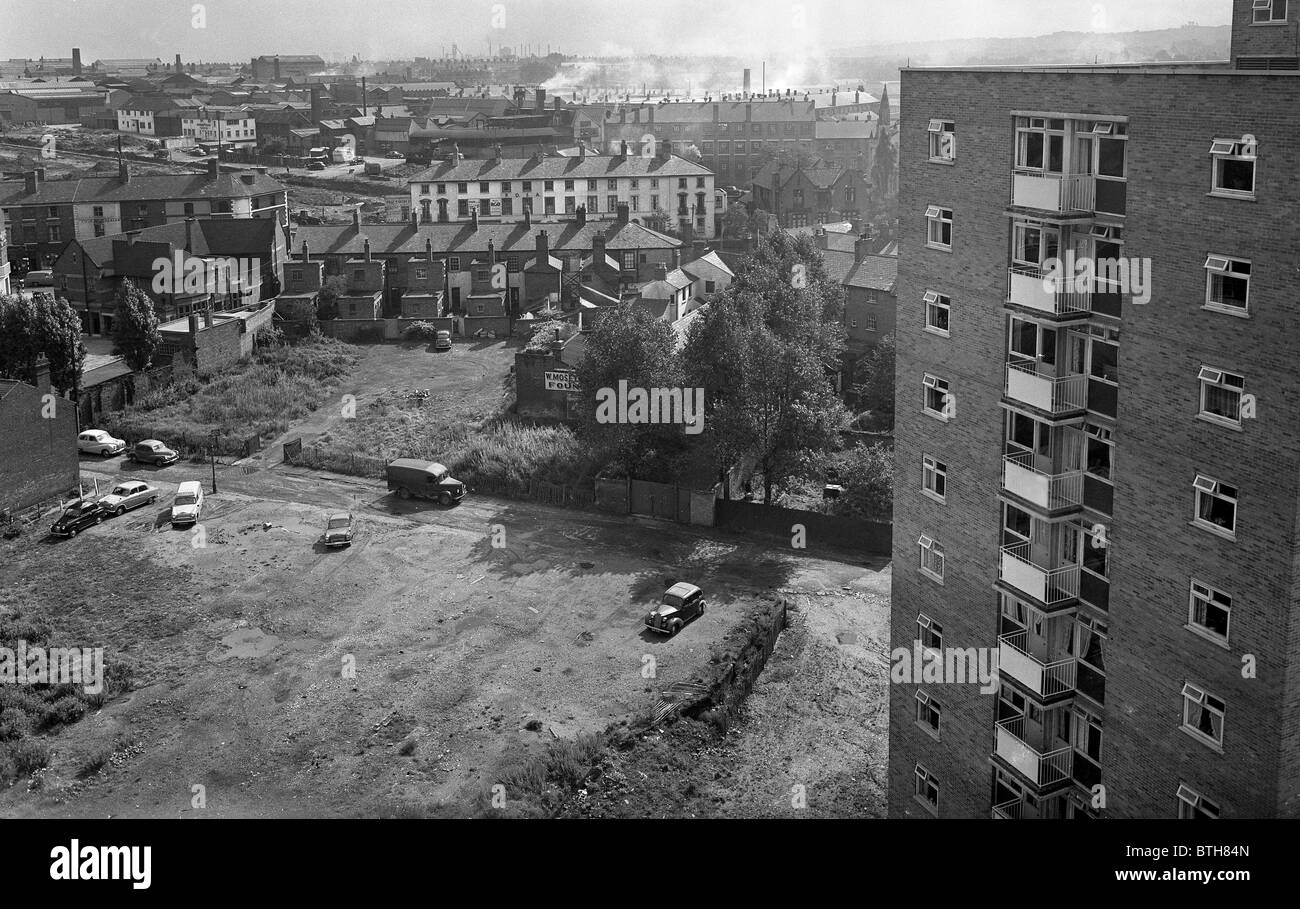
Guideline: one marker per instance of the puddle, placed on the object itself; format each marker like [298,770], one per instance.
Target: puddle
[244,643]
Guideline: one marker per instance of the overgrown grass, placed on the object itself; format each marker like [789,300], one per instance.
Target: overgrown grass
[29,711]
[259,396]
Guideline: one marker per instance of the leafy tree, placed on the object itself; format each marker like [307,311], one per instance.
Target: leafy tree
[867,475]
[630,345]
[32,327]
[327,298]
[765,352]
[274,146]
[736,221]
[883,171]
[874,373]
[135,327]
[298,311]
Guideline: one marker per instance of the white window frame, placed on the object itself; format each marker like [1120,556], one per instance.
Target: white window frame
[940,132]
[1202,597]
[925,781]
[1195,697]
[935,301]
[1226,266]
[936,217]
[924,622]
[932,469]
[927,707]
[1210,377]
[1194,806]
[1271,8]
[1222,150]
[934,383]
[932,559]
[1208,486]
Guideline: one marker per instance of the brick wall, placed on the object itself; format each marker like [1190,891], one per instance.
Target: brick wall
[1160,445]
[1272,39]
[38,454]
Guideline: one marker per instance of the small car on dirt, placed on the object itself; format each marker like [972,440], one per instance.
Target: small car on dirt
[442,341]
[127,495]
[338,529]
[187,506]
[423,479]
[98,442]
[77,517]
[681,603]
[151,451]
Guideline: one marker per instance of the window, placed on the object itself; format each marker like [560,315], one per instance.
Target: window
[421,274]
[931,558]
[928,713]
[1234,167]
[929,632]
[1221,394]
[570,205]
[462,208]
[1017,523]
[1203,714]
[936,396]
[295,274]
[938,310]
[453,264]
[927,789]
[505,187]
[1266,11]
[593,204]
[634,203]
[1227,283]
[1100,452]
[1194,806]
[462,188]
[358,275]
[568,186]
[654,203]
[940,227]
[548,186]
[869,323]
[611,203]
[1040,144]
[1216,504]
[56,234]
[943,140]
[441,187]
[654,182]
[934,477]
[528,186]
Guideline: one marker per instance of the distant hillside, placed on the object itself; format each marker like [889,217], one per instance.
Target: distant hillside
[1189,43]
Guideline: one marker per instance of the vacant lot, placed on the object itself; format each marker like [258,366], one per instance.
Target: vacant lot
[466,657]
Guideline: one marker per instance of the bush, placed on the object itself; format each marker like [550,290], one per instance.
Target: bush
[421,332]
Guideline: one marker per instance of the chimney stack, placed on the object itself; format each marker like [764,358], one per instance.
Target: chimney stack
[598,247]
[543,245]
[189,234]
[76,61]
[528,217]
[473,219]
[207,315]
[317,104]
[277,69]
[214,168]
[661,272]
[29,182]
[582,215]
[192,321]
[539,105]
[356,219]
[306,253]
[178,63]
[367,249]
[622,213]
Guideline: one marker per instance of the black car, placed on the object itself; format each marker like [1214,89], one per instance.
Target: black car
[77,517]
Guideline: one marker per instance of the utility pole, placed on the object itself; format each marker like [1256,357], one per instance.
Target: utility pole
[214,461]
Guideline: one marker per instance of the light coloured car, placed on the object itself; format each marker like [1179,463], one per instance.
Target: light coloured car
[127,495]
[442,341]
[98,442]
[338,529]
[188,504]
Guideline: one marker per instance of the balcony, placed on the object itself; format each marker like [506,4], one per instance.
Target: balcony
[1009,811]
[1044,769]
[1029,383]
[1050,492]
[1048,586]
[1030,288]
[1055,193]
[1047,680]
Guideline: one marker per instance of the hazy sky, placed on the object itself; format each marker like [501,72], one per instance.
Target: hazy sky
[239,29]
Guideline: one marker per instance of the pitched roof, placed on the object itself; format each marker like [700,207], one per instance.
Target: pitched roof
[875,273]
[759,111]
[461,237]
[838,264]
[246,237]
[708,267]
[559,168]
[143,186]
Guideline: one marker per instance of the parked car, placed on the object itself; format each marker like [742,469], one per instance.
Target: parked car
[442,341]
[315,165]
[681,603]
[338,529]
[41,278]
[78,516]
[127,495]
[188,503]
[394,154]
[424,479]
[151,451]
[98,442]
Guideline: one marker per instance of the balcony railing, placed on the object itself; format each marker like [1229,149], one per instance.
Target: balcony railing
[1057,193]
[1009,811]
[1043,769]
[1047,491]
[1047,585]
[1051,394]
[1044,679]
[1031,288]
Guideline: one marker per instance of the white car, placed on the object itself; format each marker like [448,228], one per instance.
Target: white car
[127,495]
[98,442]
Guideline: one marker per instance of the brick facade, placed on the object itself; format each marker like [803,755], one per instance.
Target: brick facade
[38,450]
[1160,444]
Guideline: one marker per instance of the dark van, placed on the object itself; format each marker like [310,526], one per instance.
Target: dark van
[424,479]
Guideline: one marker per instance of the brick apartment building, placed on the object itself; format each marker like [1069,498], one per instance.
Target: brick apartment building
[1101,488]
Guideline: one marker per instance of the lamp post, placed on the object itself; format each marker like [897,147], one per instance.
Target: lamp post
[213,454]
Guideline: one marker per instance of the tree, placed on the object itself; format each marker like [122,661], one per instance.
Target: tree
[736,222]
[42,325]
[327,298]
[884,171]
[135,327]
[867,475]
[765,352]
[631,346]
[874,373]
[274,146]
